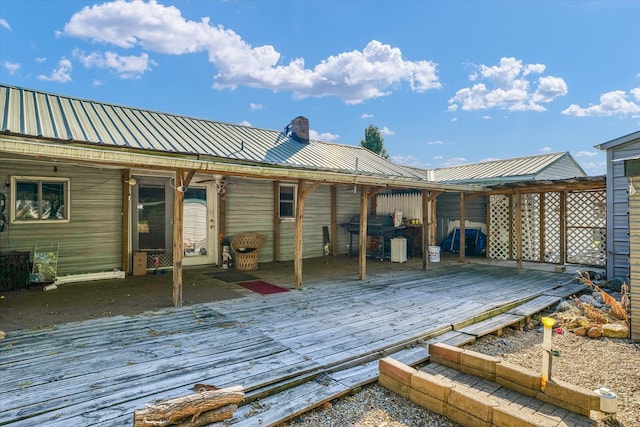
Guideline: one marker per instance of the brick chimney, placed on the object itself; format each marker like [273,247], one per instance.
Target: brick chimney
[300,129]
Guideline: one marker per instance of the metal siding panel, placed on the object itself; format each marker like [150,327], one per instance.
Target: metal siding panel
[348,205]
[317,214]
[448,208]
[249,208]
[92,241]
[634,261]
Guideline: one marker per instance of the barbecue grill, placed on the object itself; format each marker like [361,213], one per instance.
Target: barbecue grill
[380,229]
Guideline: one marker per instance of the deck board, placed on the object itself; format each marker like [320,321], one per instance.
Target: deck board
[100,371]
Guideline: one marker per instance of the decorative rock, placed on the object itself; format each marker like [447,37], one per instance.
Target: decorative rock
[614,284]
[588,299]
[581,332]
[615,330]
[594,332]
[564,306]
[2,335]
[577,322]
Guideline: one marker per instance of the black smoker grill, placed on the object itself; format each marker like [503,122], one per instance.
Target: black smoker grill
[380,230]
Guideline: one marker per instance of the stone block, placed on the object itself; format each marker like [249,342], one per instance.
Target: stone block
[472,402]
[428,402]
[514,416]
[574,395]
[436,387]
[395,386]
[508,374]
[615,330]
[526,391]
[445,352]
[464,418]
[477,372]
[563,404]
[479,361]
[396,370]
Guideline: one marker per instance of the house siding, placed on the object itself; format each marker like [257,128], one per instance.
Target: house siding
[92,240]
[634,258]
[563,168]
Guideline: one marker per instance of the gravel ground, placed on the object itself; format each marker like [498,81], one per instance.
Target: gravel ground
[587,362]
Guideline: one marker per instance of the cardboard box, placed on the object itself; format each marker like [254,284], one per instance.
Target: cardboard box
[139,263]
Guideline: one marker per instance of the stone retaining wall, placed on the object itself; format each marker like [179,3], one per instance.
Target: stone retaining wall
[490,406]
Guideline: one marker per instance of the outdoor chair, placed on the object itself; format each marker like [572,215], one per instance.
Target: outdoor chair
[246,247]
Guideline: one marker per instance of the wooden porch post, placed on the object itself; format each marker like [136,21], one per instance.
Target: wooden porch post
[463,219]
[541,231]
[182,179]
[425,229]
[518,221]
[362,253]
[126,230]
[276,221]
[301,195]
[334,220]
[563,227]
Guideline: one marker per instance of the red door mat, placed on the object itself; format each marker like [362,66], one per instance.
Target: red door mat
[262,287]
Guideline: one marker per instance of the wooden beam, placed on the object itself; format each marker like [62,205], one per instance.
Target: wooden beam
[276,221]
[518,231]
[563,228]
[126,228]
[463,219]
[302,193]
[433,217]
[425,229]
[222,219]
[334,220]
[362,253]
[178,205]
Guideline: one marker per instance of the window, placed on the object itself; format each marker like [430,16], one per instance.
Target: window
[39,199]
[287,201]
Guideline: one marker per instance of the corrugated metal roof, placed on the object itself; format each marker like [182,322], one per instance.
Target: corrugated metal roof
[518,168]
[48,116]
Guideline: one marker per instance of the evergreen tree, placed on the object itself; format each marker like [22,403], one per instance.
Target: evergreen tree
[373,141]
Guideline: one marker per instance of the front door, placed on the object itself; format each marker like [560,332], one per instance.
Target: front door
[152,222]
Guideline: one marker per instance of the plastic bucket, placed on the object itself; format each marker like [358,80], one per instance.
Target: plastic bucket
[434,253]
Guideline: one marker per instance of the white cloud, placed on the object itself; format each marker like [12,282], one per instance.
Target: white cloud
[586,154]
[325,136]
[245,123]
[595,168]
[438,157]
[62,74]
[5,24]
[546,150]
[409,160]
[616,102]
[127,67]
[96,82]
[352,76]
[489,159]
[256,107]
[366,116]
[386,131]
[41,59]
[506,87]
[454,161]
[438,142]
[11,67]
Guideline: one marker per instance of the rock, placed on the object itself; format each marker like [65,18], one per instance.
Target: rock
[577,322]
[615,330]
[613,284]
[588,299]
[564,306]
[2,335]
[581,332]
[594,332]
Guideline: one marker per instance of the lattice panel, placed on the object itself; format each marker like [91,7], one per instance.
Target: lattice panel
[552,228]
[586,228]
[530,212]
[499,227]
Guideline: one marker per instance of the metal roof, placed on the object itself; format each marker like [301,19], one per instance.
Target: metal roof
[518,168]
[52,117]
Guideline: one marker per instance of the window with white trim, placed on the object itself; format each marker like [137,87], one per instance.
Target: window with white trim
[39,199]
[287,200]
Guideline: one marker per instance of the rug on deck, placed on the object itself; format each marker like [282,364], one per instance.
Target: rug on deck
[262,287]
[231,276]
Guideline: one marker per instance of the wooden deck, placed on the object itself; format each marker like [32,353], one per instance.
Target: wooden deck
[290,351]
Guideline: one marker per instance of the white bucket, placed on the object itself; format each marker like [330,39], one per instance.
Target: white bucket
[434,253]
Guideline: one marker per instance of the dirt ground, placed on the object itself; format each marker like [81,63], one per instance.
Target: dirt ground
[33,308]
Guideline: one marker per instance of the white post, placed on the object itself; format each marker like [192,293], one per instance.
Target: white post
[548,323]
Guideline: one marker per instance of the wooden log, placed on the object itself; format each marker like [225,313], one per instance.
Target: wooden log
[193,410]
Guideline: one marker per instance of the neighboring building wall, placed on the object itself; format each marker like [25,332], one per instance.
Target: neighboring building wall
[634,258]
[617,210]
[91,241]
[563,168]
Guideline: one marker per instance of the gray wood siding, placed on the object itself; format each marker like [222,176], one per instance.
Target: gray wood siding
[634,260]
[91,241]
[618,210]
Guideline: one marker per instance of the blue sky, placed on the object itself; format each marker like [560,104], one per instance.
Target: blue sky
[447,82]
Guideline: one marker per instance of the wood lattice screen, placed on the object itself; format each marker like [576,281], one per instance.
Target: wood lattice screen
[541,218]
